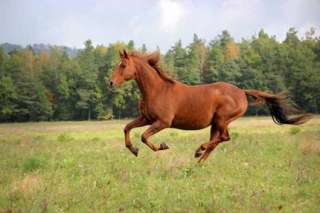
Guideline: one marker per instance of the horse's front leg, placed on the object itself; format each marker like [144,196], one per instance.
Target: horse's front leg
[138,122]
[153,129]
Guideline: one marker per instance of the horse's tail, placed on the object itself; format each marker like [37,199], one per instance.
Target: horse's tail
[279,107]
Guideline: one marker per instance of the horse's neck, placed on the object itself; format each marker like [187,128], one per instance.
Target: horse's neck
[149,82]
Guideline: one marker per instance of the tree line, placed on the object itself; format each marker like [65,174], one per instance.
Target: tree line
[51,85]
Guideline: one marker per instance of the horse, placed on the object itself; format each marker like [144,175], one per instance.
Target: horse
[168,103]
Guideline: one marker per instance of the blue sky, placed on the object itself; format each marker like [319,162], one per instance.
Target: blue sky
[153,22]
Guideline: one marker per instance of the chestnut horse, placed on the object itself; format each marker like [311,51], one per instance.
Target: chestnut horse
[168,103]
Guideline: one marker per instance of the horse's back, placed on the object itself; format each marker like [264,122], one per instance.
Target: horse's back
[214,91]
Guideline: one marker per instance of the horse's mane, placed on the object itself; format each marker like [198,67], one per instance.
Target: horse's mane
[153,60]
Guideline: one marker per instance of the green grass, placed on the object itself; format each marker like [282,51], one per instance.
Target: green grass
[85,167]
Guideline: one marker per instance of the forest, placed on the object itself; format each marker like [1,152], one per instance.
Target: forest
[52,85]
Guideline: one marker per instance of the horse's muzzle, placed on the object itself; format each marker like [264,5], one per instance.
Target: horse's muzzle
[110,83]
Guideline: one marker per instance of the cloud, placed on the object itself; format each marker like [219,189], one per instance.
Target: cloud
[171,14]
[235,12]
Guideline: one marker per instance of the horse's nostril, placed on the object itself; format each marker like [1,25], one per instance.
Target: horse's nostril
[111,83]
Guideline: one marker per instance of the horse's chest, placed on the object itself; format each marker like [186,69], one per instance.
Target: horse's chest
[147,111]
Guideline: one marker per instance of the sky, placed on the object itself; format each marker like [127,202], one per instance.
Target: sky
[152,22]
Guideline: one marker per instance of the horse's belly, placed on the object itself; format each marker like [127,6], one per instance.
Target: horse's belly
[192,122]
[187,125]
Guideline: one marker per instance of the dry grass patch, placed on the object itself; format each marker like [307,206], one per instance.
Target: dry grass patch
[24,142]
[28,186]
[309,144]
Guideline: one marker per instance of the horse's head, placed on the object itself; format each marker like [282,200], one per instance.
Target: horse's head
[124,71]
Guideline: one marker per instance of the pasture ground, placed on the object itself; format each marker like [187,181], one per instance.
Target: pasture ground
[85,167]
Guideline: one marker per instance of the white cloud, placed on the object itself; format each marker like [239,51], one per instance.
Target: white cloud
[241,17]
[237,11]
[171,14]
[302,15]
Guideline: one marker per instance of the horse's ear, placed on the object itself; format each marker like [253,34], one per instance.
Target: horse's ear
[125,54]
[153,58]
[121,54]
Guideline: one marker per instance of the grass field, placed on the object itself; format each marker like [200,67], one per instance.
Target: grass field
[85,167]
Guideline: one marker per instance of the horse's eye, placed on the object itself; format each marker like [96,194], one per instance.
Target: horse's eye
[122,65]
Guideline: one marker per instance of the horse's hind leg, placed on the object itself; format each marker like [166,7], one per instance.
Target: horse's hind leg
[204,146]
[216,139]
[219,134]
[200,150]
[153,129]
[219,131]
[224,136]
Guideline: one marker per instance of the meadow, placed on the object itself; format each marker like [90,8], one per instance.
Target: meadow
[85,167]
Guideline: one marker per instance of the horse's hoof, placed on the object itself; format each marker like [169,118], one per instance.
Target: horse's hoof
[134,151]
[197,154]
[163,146]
